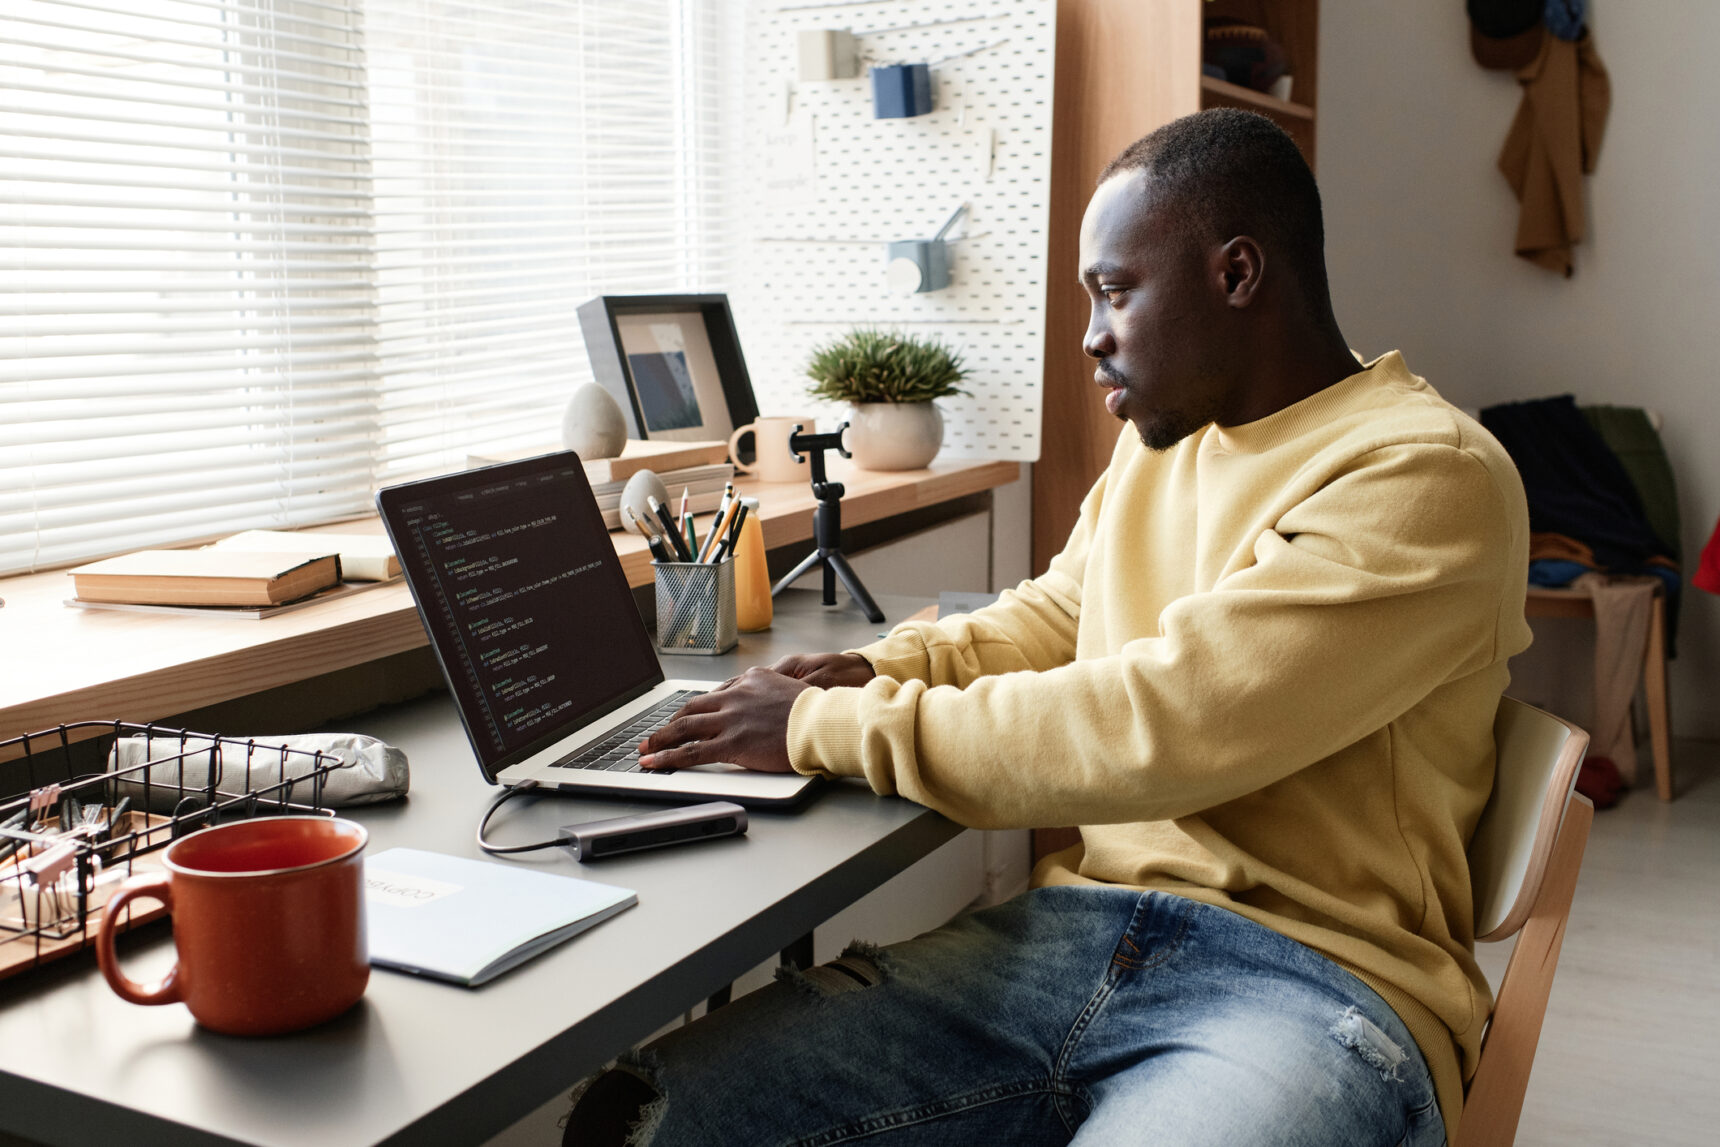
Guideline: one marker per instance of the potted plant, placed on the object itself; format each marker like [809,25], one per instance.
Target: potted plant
[891,380]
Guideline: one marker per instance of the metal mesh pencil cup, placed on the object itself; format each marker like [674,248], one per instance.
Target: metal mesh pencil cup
[695,607]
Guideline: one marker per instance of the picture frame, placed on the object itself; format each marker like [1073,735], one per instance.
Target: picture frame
[672,363]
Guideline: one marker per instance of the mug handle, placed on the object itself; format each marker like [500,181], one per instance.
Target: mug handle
[167,991]
[735,450]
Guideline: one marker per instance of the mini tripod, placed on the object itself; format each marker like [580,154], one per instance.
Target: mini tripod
[827,525]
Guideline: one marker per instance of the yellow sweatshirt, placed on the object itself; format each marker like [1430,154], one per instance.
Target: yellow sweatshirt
[1262,674]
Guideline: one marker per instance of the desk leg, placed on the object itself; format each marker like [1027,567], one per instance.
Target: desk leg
[798,955]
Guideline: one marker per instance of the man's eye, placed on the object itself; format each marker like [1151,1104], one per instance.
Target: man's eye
[1113,295]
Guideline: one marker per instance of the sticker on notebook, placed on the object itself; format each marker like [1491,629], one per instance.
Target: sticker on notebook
[404,890]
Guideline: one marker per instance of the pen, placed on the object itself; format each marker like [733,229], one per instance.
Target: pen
[687,526]
[672,536]
[715,535]
[723,505]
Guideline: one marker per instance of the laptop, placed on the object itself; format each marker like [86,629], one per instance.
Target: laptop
[554,673]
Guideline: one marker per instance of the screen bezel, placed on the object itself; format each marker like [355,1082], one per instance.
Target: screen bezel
[586,521]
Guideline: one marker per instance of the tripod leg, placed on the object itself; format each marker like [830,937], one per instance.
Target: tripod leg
[829,575]
[834,560]
[806,563]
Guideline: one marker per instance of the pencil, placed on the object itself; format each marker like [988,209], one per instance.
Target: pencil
[722,509]
[653,541]
[644,531]
[732,535]
[715,537]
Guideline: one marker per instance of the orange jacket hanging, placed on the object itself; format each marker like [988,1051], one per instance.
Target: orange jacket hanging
[1552,144]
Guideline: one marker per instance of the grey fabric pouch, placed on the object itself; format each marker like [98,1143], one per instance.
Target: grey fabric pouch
[370,771]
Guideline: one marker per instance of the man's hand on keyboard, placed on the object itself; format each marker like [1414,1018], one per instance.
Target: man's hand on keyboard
[745,723]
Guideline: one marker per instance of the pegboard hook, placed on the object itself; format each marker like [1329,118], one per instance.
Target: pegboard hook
[950,222]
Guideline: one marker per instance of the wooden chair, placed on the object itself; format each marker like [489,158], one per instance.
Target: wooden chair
[1523,866]
[1574,603]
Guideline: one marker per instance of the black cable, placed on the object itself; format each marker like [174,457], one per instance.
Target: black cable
[525,786]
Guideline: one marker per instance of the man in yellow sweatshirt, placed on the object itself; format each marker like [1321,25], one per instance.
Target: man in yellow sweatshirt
[1261,677]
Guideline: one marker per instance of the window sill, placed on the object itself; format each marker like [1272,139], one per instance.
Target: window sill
[73,664]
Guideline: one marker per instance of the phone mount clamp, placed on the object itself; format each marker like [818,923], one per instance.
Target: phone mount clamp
[827,525]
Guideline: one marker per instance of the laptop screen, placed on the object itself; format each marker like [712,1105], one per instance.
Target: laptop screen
[524,600]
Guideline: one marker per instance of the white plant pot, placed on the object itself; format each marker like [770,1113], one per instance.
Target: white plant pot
[894,435]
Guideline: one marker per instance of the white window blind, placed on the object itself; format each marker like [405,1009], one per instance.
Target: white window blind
[529,154]
[259,256]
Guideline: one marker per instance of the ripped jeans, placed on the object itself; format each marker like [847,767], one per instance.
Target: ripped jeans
[1102,1017]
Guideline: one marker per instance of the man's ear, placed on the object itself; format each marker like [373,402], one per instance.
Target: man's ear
[1239,266]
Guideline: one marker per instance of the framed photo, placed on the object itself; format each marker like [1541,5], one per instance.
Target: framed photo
[672,362]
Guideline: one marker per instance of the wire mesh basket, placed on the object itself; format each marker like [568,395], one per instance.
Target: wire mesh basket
[696,607]
[73,837]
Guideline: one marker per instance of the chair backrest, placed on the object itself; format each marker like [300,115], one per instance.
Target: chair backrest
[1535,771]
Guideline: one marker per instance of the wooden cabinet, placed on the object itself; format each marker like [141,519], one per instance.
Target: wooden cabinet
[1124,67]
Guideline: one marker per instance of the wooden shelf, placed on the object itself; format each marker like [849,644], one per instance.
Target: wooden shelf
[75,664]
[1150,57]
[1236,95]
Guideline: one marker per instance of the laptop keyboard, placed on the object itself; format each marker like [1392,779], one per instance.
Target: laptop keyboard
[618,750]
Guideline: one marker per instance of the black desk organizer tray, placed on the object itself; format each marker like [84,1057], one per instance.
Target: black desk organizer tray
[72,837]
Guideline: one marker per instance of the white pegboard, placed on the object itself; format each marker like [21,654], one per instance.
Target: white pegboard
[825,186]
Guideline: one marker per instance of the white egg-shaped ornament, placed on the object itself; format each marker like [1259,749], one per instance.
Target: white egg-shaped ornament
[592,426]
[645,482]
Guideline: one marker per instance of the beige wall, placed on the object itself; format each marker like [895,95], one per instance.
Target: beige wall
[1419,226]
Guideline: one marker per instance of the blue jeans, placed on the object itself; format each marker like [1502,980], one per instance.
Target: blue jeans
[1093,1016]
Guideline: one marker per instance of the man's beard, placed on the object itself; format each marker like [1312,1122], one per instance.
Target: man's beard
[1165,431]
[1165,428]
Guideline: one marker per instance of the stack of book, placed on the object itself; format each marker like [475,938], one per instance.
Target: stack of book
[700,468]
[252,574]
[703,484]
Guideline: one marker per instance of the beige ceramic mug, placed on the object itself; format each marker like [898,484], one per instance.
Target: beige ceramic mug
[772,459]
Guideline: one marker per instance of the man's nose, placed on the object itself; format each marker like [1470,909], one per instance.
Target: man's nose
[1098,341]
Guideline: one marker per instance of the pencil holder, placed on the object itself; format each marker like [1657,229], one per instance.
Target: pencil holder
[695,607]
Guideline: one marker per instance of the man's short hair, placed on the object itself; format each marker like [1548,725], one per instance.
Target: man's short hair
[1226,172]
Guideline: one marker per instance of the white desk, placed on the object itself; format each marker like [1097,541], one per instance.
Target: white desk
[423,1062]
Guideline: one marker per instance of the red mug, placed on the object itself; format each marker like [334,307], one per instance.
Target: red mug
[268,917]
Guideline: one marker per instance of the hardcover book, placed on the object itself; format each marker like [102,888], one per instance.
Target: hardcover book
[205,577]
